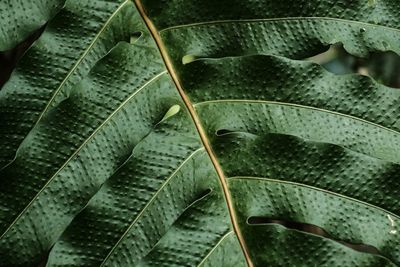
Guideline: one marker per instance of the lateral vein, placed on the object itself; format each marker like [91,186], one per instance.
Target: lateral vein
[80,59]
[215,247]
[216,22]
[294,105]
[80,148]
[148,204]
[264,179]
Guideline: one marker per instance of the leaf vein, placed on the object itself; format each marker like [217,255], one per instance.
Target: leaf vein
[314,188]
[79,61]
[298,106]
[148,204]
[80,148]
[199,24]
[215,247]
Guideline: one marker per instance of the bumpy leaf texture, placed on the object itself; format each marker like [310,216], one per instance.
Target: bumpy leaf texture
[194,133]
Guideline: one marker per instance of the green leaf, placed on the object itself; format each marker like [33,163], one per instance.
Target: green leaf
[20,18]
[79,35]
[193,133]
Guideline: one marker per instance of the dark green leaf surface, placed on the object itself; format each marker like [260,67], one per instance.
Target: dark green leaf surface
[79,144]
[343,218]
[81,34]
[20,18]
[110,169]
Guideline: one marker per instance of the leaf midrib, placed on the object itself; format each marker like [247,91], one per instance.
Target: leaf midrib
[196,120]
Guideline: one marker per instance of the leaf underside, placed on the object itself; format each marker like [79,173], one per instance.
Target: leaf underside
[104,162]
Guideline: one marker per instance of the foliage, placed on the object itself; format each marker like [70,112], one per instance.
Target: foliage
[196,133]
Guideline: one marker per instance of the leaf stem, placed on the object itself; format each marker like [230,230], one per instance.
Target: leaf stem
[198,125]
